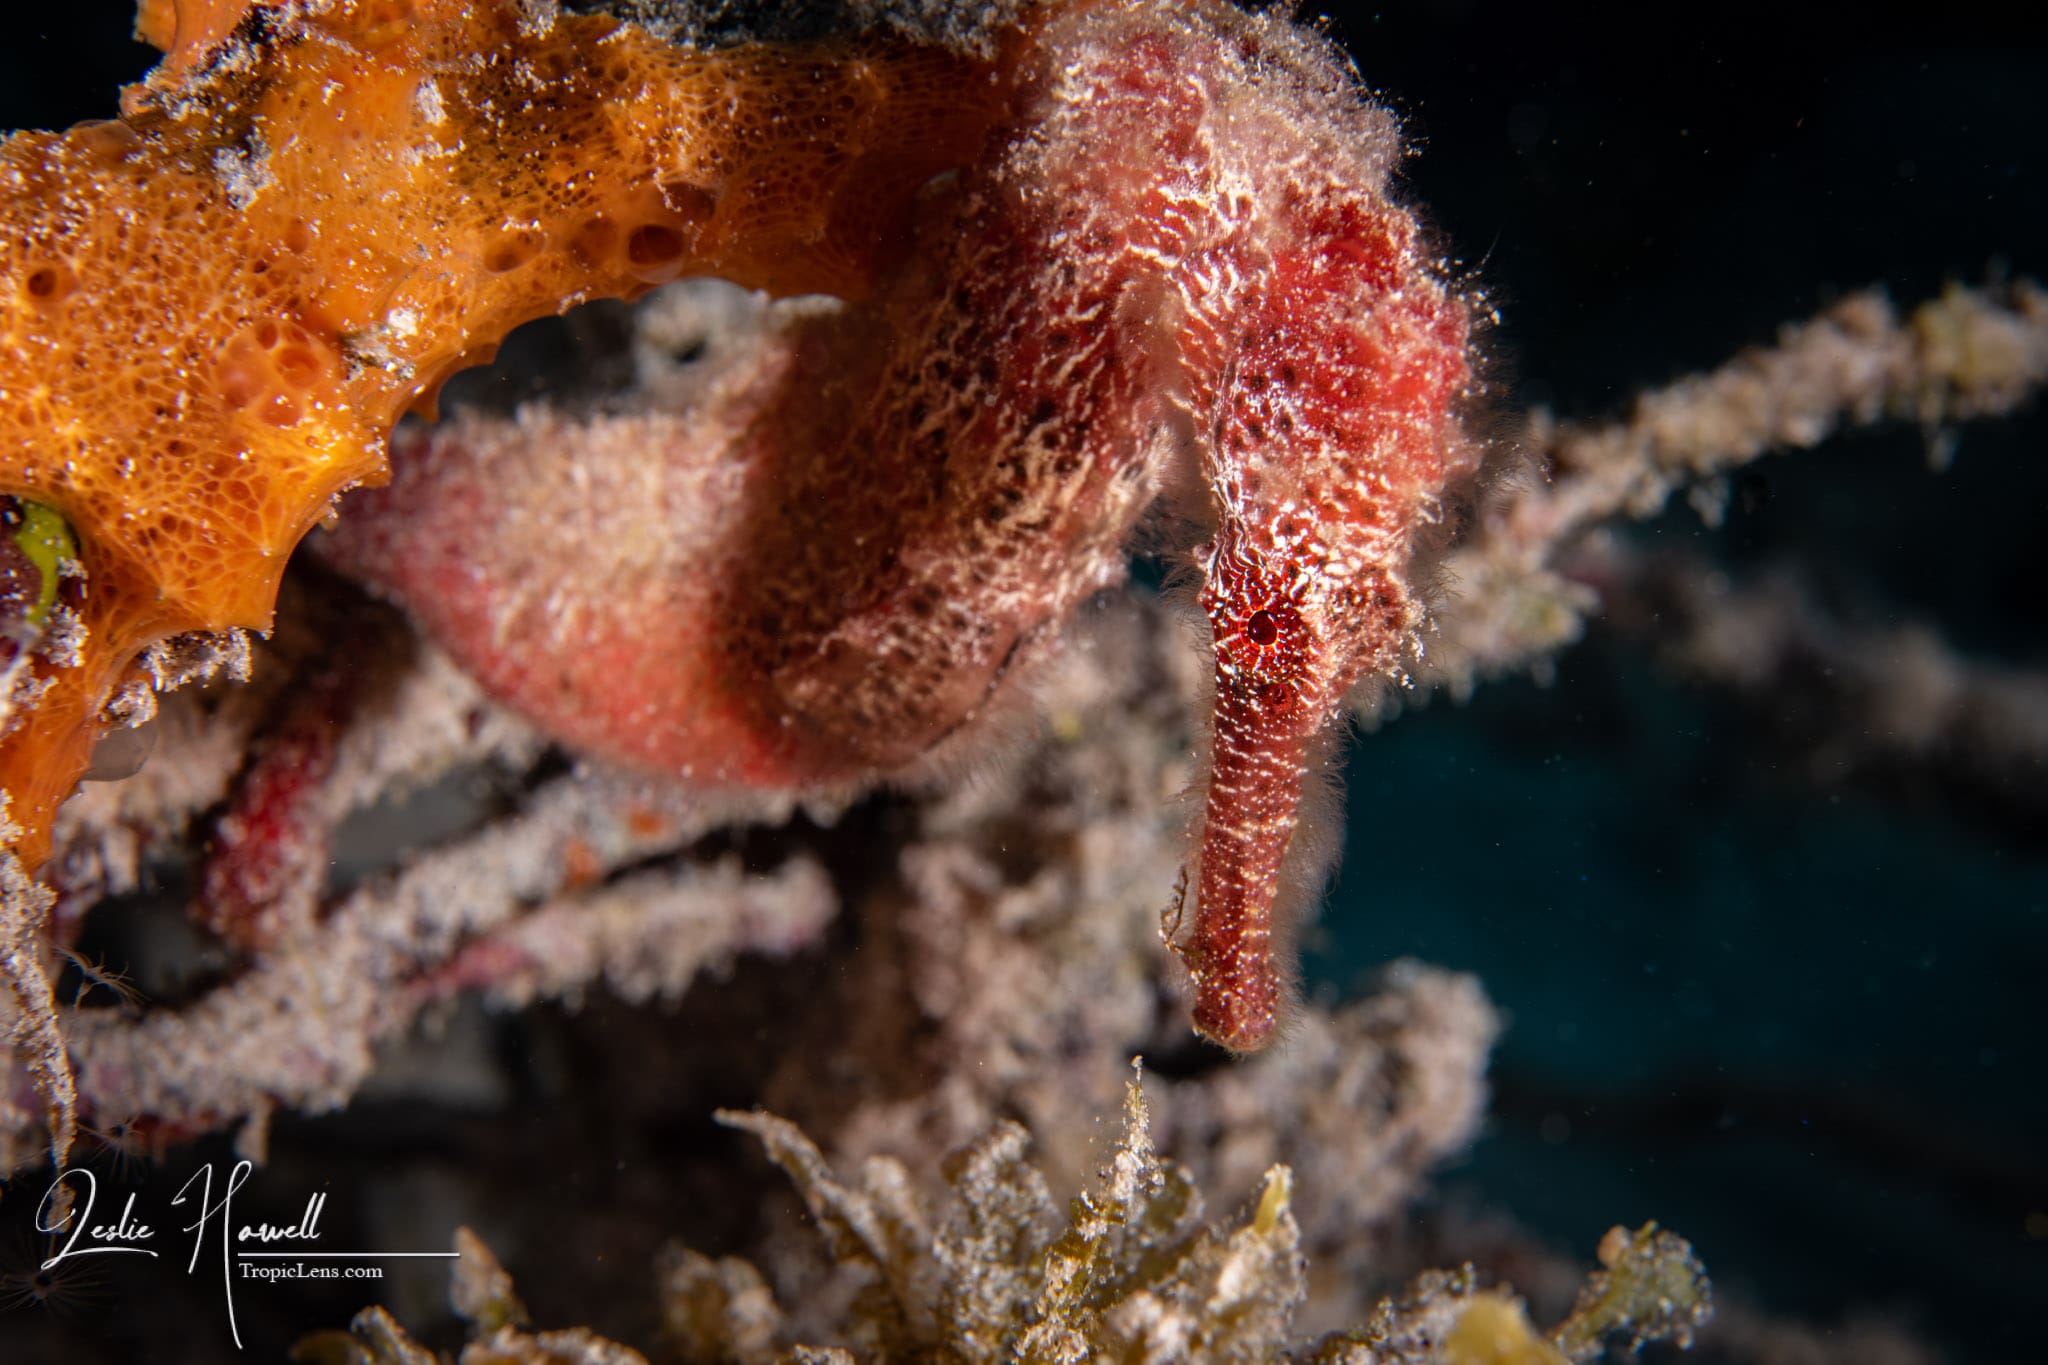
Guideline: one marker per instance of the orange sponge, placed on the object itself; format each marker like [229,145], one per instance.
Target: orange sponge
[186,30]
[213,310]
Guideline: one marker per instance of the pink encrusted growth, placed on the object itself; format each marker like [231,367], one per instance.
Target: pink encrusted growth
[267,856]
[1176,257]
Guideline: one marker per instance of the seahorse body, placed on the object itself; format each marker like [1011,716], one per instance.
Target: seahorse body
[1175,246]
[1313,356]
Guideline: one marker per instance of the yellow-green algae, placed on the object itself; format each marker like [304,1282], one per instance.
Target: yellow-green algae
[989,1271]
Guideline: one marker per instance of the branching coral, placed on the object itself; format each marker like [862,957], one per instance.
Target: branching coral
[1012,960]
[1178,260]
[1847,697]
[1969,354]
[599,572]
[1170,240]
[298,232]
[1021,956]
[517,908]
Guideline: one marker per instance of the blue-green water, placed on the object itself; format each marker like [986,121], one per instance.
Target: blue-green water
[1736,1003]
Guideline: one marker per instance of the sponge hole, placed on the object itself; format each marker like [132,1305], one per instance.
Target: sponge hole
[655,252]
[49,283]
[511,251]
[298,367]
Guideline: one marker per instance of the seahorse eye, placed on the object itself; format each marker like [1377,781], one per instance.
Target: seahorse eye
[1261,628]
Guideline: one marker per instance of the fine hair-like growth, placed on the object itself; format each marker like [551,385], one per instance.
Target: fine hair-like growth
[1106,244]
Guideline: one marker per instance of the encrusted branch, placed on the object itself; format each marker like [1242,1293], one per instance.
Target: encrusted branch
[1967,355]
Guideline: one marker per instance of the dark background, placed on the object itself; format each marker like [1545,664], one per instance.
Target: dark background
[1800,1021]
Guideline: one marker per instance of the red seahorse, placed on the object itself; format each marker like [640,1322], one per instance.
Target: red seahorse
[1176,253]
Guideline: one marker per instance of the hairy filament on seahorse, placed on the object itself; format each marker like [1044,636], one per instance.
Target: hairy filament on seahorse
[1271,673]
[1164,235]
[1333,433]
[1177,244]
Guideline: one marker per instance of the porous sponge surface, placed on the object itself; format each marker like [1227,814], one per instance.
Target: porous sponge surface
[213,310]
